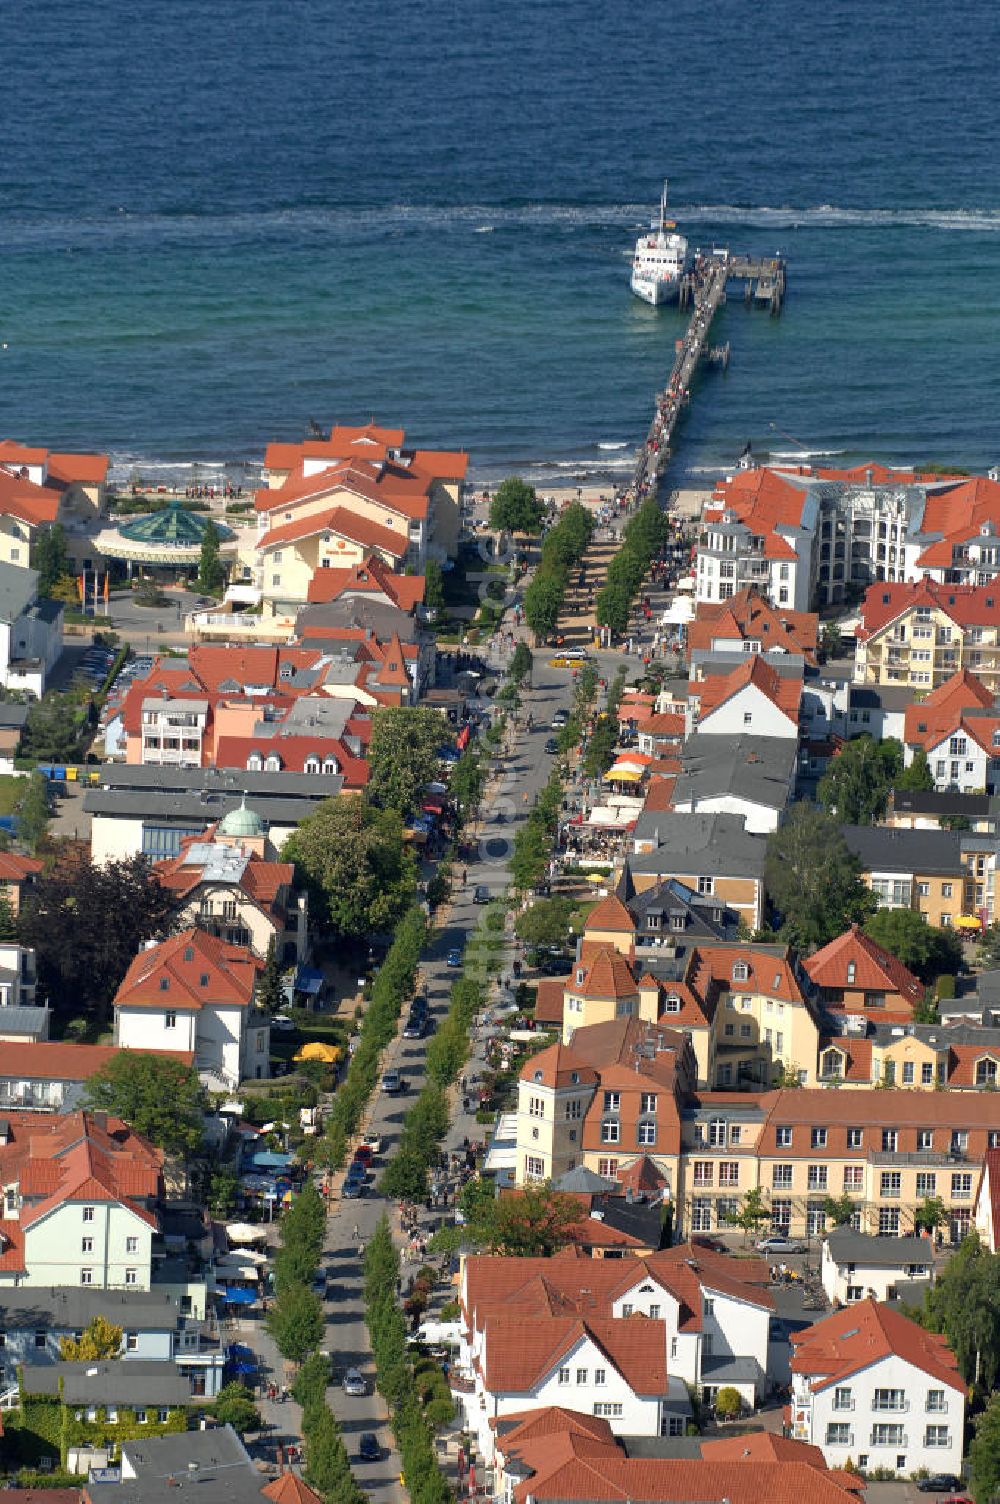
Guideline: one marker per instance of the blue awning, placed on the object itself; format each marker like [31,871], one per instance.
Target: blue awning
[308,980]
[238,1295]
[268,1159]
[242,1367]
[238,1350]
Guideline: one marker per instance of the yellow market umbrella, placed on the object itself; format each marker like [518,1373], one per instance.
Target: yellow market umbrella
[597,877]
[967,922]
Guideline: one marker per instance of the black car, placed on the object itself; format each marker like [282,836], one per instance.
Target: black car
[368,1447]
[416,1025]
[482,894]
[939,1483]
[552,746]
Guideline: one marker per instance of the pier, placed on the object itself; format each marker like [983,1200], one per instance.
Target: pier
[703,290]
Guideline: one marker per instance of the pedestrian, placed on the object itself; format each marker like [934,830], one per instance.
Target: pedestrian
[356,1233]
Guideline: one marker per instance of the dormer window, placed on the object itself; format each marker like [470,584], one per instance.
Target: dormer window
[538,1075]
[164,984]
[580,973]
[330,765]
[254,762]
[986,1071]
[311,764]
[671,1004]
[203,979]
[273,763]
[189,953]
[741,971]
[678,921]
[851,971]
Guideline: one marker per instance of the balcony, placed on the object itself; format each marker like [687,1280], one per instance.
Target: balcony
[843,1407]
[899,1441]
[890,1407]
[891,1159]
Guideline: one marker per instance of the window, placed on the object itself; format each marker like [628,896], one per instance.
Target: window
[40,1339]
[164,984]
[717,1133]
[907,1072]
[86,1276]
[729,1172]
[936,1401]
[611,1131]
[927,1074]
[86,1245]
[838,1434]
[600,1374]
[783,1138]
[536,1107]
[608,1410]
[986,1071]
[704,1172]
[612,1101]
[926,1183]
[654,1313]
[818,1138]
[890,1141]
[707,1305]
[781,1215]
[706,885]
[142,1417]
[888,1222]
[854,1178]
[959,1141]
[855,1292]
[782,1177]
[170,1020]
[647,1102]
[574,1109]
[131,1277]
[131,1342]
[581,1376]
[673,1425]
[647,1135]
[946,887]
[627,1308]
[855,1138]
[741,971]
[817,1178]
[891,1183]
[925,1138]
[937,1436]
[608,1168]
[534,1169]
[564,1375]
[88,1214]
[961,1187]
[851,971]
[887,1436]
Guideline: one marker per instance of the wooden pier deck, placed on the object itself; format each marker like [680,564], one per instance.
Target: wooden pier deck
[703,291]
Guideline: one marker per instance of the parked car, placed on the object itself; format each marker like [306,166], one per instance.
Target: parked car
[363,1155]
[780,1245]
[416,1024]
[482,894]
[368,1447]
[393,1083]
[939,1483]
[282,1025]
[353,1189]
[355,1383]
[319,1283]
[454,959]
[552,746]
[560,719]
[373,1141]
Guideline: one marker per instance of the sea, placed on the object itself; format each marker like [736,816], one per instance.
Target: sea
[221,222]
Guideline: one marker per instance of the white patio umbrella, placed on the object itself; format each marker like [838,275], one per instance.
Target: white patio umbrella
[243,1232]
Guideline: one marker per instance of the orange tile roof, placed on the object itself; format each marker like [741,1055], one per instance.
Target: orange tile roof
[991,1172]
[862,1334]
[518,1355]
[557,1066]
[718,689]
[857,1054]
[770,975]
[963,1059]
[340,520]
[181,963]
[15,868]
[289,1488]
[611,915]
[608,976]
[373,576]
[58,1060]
[764,1446]
[549,1000]
[12,453]
[875,968]
[88,469]
[21,498]
[80,1156]
[294,751]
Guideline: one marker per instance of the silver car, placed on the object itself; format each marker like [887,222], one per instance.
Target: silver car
[355,1383]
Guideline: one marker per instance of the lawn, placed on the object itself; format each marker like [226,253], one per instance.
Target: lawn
[11,791]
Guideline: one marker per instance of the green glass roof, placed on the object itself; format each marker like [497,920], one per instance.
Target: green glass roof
[173,525]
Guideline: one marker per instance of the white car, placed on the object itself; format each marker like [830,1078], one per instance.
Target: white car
[282,1025]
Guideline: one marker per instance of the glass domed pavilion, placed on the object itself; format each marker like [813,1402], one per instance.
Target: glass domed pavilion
[168,539]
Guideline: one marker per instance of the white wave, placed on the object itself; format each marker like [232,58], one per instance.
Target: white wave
[614,444]
[790,216]
[484,229]
[804,454]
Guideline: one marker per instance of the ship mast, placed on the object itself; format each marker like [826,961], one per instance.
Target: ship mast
[663,206]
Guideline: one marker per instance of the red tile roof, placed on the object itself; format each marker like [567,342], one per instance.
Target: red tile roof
[608,976]
[15,868]
[748,616]
[21,498]
[862,1334]
[875,969]
[556,1066]
[764,1446]
[518,1355]
[58,1060]
[88,469]
[294,751]
[289,1488]
[170,974]
[373,576]
[965,605]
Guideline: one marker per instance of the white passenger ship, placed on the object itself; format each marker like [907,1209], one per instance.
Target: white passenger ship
[660,261]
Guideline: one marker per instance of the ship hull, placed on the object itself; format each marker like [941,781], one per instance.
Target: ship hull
[655,290]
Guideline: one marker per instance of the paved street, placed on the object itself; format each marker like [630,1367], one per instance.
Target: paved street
[346,1336]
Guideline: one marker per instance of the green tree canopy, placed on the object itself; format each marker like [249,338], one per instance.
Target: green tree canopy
[403,756]
[34,812]
[234,1407]
[547,922]
[856,785]
[925,950]
[532,1222]
[515,507]
[156,1095]
[50,556]
[86,923]
[295,1321]
[433,585]
[211,571]
[354,861]
[964,1304]
[543,601]
[521,664]
[813,879]
[917,778]
[751,1213]
[270,993]
[984,1454]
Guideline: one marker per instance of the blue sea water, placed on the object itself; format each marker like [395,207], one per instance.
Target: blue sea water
[219,220]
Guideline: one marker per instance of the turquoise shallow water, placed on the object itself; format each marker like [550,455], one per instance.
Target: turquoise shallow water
[219,221]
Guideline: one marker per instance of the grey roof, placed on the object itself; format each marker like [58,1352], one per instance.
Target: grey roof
[584,1181]
[714,661]
[933,802]
[879,697]
[760,769]
[188,810]
[880,848]
[724,1370]
[215,1460]
[672,898]
[18,588]
[848,1247]
[707,844]
[328,716]
[13,713]
[357,611]
[71,1308]
[221,781]
[22,1021]
[194,796]
[115,1381]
